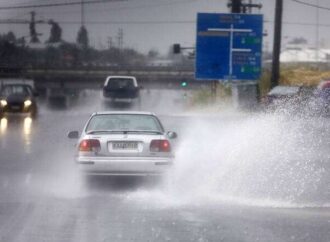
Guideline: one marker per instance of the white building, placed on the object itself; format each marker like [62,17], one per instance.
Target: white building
[305,55]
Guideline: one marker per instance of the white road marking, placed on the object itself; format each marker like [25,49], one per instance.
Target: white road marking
[28,179]
[5,183]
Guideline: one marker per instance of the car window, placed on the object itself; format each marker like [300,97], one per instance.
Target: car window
[284,90]
[124,122]
[13,89]
[120,82]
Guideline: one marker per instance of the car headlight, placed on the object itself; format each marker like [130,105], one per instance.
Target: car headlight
[27,103]
[3,103]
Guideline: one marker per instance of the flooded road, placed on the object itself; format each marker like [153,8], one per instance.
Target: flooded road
[237,177]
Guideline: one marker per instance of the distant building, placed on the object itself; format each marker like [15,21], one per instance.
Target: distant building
[40,46]
[160,62]
[305,55]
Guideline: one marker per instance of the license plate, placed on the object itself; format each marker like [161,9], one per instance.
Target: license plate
[15,107]
[124,145]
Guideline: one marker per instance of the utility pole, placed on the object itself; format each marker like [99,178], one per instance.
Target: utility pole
[250,8]
[120,38]
[236,6]
[277,43]
[82,20]
[110,43]
[33,32]
[317,42]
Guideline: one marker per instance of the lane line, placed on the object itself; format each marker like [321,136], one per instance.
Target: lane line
[28,178]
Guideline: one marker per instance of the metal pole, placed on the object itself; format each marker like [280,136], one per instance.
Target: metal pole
[317,47]
[231,50]
[82,13]
[277,43]
[250,8]
[236,6]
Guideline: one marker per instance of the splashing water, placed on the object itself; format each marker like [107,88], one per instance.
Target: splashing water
[263,160]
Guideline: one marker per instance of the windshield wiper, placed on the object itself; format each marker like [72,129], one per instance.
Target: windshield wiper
[103,131]
[143,131]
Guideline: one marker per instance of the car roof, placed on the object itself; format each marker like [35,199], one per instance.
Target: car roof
[284,90]
[124,112]
[120,77]
[133,77]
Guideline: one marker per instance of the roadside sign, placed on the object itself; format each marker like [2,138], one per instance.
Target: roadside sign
[228,46]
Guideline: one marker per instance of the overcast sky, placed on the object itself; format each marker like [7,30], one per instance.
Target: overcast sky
[157,24]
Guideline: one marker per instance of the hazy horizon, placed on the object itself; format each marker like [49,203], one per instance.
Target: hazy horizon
[157,25]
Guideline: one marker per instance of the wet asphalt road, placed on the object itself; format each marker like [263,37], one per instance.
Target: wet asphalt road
[43,198]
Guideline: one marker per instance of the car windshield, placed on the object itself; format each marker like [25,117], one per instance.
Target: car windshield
[120,82]
[284,90]
[15,89]
[124,122]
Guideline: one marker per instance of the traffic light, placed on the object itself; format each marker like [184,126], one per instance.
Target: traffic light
[235,6]
[176,49]
[184,84]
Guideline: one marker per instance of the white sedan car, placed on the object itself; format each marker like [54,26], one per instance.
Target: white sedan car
[124,143]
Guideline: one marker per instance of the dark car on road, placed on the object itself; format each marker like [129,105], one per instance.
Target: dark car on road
[17,98]
[121,89]
[322,97]
[280,96]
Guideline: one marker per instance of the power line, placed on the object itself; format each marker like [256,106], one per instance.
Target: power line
[141,6]
[56,4]
[299,23]
[311,5]
[132,22]
[145,22]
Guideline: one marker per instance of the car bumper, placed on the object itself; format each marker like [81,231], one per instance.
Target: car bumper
[124,166]
[17,110]
[122,100]
[16,114]
[119,100]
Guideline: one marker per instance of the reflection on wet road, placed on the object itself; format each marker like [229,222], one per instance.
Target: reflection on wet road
[3,125]
[238,177]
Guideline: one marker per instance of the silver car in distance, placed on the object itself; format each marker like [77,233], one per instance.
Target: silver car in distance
[124,143]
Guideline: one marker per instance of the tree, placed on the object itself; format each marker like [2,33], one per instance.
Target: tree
[298,40]
[33,33]
[152,54]
[52,57]
[55,32]
[70,54]
[8,52]
[10,37]
[82,37]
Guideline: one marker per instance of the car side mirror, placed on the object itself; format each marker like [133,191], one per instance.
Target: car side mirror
[172,135]
[73,135]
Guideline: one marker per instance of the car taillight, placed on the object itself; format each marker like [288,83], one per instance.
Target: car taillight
[90,145]
[159,145]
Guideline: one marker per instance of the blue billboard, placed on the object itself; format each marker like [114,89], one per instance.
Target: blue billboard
[228,46]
